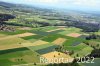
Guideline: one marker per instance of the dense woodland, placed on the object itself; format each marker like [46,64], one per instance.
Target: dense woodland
[95,53]
[93,36]
[3,25]
[87,27]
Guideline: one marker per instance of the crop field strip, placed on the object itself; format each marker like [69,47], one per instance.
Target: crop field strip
[53,30]
[73,41]
[76,48]
[27,44]
[59,41]
[74,35]
[32,37]
[84,52]
[70,30]
[56,55]
[18,35]
[51,38]
[48,28]
[12,50]
[40,46]
[16,32]
[36,43]
[40,33]
[46,50]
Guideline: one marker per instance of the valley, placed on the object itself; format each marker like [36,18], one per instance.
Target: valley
[28,33]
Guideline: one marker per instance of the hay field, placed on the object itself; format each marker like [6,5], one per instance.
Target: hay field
[57,55]
[59,41]
[74,35]
[18,35]
[36,43]
[2,35]
[25,34]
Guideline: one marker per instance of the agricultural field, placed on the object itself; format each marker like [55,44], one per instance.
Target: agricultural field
[26,47]
[56,54]
[2,35]
[29,33]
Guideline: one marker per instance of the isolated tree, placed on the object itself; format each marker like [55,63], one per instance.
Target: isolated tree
[77,55]
[54,56]
[58,53]
[72,52]
[97,45]
[34,63]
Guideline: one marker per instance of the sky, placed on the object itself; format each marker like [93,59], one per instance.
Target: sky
[93,5]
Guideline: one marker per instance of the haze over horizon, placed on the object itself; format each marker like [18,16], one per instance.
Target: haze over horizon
[85,5]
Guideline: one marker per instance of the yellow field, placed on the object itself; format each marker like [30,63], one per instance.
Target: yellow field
[5,47]
[18,35]
[57,55]
[74,34]
[59,41]
[12,42]
[25,34]
[2,35]
[39,42]
[19,44]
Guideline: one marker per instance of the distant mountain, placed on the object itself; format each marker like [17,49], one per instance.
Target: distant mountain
[6,5]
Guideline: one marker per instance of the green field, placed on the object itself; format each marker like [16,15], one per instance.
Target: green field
[76,48]
[46,50]
[73,41]
[53,37]
[18,57]
[70,30]
[40,47]
[83,52]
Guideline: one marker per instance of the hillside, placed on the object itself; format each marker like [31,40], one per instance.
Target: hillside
[38,17]
[29,33]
